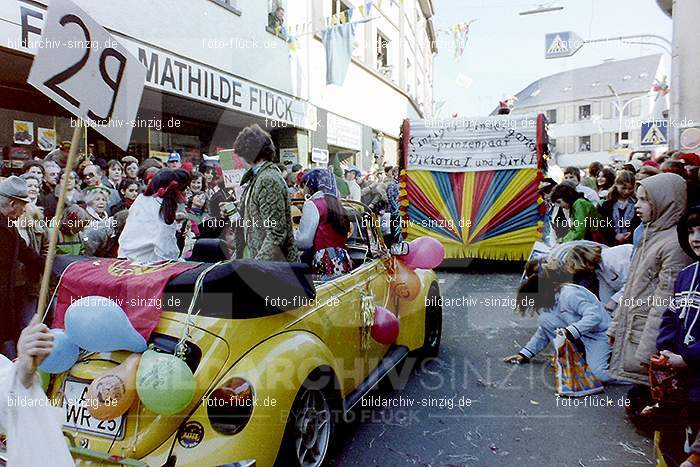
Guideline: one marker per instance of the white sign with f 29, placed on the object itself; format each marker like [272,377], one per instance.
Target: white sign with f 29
[89,73]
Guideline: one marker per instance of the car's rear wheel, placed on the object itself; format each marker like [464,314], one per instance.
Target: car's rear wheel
[310,428]
[433,323]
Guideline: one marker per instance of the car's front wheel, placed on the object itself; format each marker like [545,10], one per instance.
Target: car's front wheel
[433,323]
[309,431]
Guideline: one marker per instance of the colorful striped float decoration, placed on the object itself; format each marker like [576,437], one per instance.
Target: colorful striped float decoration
[493,214]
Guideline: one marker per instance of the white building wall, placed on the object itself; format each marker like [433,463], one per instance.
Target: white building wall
[685,92]
[206,32]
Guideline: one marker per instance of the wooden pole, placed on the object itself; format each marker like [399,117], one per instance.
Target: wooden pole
[53,239]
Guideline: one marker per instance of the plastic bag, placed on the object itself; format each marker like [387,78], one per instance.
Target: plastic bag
[572,375]
[665,384]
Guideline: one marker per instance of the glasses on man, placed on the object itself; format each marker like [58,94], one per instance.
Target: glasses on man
[90,174]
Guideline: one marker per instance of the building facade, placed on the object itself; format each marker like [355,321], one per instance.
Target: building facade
[582,105]
[685,93]
[216,66]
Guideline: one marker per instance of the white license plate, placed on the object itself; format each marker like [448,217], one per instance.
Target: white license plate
[78,417]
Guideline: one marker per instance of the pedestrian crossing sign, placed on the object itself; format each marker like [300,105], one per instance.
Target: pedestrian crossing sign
[654,133]
[561,44]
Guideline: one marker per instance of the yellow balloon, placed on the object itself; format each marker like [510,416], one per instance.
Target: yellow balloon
[111,394]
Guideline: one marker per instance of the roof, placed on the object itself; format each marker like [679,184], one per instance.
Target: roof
[634,75]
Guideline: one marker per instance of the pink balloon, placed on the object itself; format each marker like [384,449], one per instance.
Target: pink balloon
[385,328]
[424,253]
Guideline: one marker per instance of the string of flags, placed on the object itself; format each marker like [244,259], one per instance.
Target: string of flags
[459,33]
[340,18]
[661,88]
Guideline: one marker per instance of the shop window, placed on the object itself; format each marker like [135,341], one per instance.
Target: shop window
[584,144]
[231,5]
[277,18]
[383,66]
[584,112]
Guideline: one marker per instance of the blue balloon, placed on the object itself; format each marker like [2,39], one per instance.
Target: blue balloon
[63,356]
[99,324]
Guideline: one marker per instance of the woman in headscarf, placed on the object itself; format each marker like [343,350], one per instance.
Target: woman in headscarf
[324,226]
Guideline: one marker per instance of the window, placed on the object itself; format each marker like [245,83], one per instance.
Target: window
[409,77]
[551,115]
[625,140]
[276,18]
[553,146]
[584,112]
[338,6]
[584,144]
[383,55]
[231,5]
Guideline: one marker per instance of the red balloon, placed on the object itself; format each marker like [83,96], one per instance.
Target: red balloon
[385,328]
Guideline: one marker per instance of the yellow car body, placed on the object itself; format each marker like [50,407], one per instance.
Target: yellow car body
[275,354]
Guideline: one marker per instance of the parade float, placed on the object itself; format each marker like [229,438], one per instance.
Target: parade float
[208,363]
[471,183]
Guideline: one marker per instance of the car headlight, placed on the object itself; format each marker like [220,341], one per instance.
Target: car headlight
[230,406]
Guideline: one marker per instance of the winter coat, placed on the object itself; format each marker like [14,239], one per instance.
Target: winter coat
[267,220]
[579,309]
[14,251]
[679,331]
[608,222]
[585,220]
[649,288]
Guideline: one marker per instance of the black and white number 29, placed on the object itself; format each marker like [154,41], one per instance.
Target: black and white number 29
[53,82]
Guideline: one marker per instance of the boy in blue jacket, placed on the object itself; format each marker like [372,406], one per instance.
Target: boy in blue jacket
[679,341]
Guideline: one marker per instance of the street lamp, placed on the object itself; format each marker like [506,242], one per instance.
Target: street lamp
[621,108]
[541,9]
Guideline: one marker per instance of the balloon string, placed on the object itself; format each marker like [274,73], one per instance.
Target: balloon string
[136,431]
[195,295]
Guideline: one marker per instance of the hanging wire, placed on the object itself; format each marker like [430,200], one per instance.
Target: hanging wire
[195,295]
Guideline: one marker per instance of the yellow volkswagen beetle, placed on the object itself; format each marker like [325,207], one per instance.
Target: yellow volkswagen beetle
[275,369]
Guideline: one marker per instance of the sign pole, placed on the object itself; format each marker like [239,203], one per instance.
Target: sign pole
[53,239]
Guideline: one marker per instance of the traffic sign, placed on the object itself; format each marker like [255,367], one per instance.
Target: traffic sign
[654,133]
[89,73]
[561,44]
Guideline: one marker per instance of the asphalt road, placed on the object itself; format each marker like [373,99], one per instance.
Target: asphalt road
[468,408]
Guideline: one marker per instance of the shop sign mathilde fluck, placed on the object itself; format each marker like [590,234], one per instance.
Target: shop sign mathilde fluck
[167,72]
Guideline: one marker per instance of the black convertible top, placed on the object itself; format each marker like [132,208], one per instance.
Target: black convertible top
[237,289]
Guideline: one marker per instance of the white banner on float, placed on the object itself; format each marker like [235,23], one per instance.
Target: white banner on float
[473,144]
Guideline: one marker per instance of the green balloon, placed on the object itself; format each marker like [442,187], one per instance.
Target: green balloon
[45,379]
[164,383]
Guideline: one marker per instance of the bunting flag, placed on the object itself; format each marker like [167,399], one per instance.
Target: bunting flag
[460,35]
[343,17]
[661,87]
